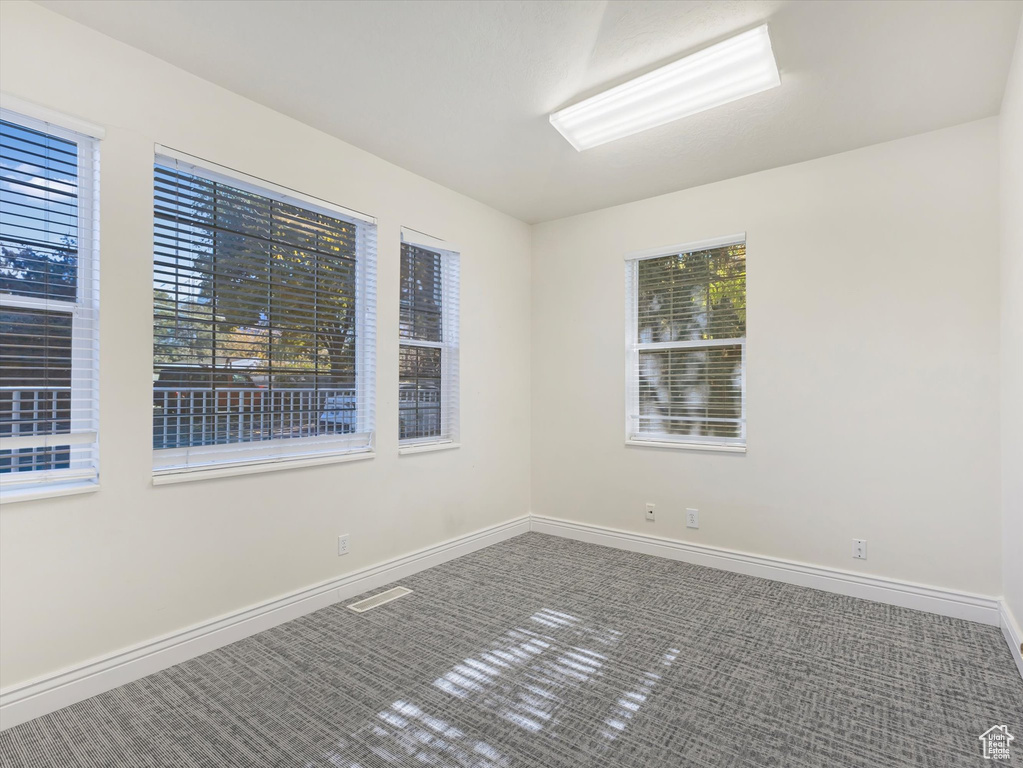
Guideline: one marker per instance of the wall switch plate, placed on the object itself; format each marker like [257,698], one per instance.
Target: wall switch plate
[342,544]
[692,518]
[650,512]
[860,549]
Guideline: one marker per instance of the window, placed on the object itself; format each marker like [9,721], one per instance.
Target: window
[428,348]
[49,293]
[264,313]
[686,345]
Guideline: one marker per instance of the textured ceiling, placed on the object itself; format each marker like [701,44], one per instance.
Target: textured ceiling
[459,92]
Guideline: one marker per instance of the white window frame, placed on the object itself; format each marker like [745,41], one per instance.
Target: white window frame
[84,478]
[449,344]
[175,465]
[633,347]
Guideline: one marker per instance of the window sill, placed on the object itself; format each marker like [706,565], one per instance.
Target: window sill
[13,495]
[272,465]
[680,446]
[405,450]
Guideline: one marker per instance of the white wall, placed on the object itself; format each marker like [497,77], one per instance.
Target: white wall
[872,364]
[86,575]
[1011,160]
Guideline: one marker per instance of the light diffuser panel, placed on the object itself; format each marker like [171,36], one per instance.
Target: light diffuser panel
[731,70]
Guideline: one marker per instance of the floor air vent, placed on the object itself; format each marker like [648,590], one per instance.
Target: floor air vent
[384,597]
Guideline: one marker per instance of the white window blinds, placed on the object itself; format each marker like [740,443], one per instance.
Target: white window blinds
[49,299]
[686,345]
[264,322]
[428,342]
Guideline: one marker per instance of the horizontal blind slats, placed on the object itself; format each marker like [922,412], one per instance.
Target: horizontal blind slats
[262,312]
[48,305]
[687,346]
[428,362]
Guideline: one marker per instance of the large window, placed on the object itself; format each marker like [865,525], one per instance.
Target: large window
[264,312]
[686,345]
[428,349]
[48,307]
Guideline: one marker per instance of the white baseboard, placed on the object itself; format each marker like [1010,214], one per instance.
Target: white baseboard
[25,701]
[947,602]
[1013,635]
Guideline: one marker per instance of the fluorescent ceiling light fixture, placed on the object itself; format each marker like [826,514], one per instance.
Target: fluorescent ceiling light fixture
[731,70]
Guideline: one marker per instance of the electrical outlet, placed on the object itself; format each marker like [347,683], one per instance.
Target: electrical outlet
[342,545]
[692,518]
[650,512]
[860,549]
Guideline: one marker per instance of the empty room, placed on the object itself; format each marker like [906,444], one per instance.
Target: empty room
[511,383]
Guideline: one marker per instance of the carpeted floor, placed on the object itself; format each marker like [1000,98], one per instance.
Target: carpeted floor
[546,652]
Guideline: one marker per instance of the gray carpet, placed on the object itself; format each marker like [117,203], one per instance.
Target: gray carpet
[547,652]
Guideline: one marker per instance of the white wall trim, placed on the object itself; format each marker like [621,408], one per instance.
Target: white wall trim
[51,116]
[212,471]
[695,245]
[946,602]
[25,701]
[1013,635]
